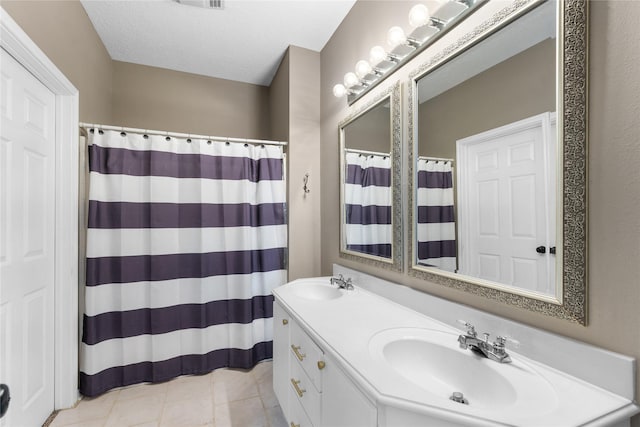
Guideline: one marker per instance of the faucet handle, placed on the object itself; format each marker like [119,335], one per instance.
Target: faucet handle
[471,330]
[349,284]
[334,279]
[502,340]
[498,345]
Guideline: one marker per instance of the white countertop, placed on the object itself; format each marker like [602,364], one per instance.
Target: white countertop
[344,327]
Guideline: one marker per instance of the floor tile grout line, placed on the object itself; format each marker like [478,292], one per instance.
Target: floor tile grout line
[253,376]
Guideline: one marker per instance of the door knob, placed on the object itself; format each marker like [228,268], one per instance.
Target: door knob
[5,397]
[541,249]
[552,250]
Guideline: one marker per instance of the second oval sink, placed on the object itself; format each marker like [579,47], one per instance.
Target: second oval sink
[316,291]
[433,361]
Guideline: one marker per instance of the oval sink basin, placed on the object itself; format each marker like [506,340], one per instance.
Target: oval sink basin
[433,361]
[316,291]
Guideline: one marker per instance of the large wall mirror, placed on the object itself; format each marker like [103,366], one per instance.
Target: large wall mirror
[370,199]
[497,148]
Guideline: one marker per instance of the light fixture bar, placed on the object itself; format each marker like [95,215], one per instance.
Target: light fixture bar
[206,4]
[427,29]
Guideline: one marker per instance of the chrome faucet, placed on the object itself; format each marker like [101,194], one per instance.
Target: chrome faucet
[341,282]
[494,351]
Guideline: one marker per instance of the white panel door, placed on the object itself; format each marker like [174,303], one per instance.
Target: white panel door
[27,174]
[509,208]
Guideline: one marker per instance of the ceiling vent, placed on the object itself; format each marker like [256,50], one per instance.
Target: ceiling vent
[206,4]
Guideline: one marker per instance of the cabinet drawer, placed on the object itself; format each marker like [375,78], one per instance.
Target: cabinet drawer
[305,351]
[305,392]
[298,417]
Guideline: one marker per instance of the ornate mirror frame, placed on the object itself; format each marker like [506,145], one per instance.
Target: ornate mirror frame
[392,94]
[572,121]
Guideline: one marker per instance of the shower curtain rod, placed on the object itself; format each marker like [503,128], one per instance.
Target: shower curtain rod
[182,135]
[442,159]
[374,153]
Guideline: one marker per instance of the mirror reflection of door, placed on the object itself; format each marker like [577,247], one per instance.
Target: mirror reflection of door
[505,194]
[502,80]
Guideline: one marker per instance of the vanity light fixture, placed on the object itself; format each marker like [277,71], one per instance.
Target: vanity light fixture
[363,68]
[377,54]
[419,16]
[427,26]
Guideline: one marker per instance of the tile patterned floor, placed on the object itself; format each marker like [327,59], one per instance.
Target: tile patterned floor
[223,398]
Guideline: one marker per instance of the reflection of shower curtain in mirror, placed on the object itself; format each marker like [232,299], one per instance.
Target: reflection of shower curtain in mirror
[185,242]
[368,204]
[436,220]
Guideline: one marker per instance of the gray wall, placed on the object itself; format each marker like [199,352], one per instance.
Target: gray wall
[65,34]
[279,101]
[156,98]
[304,157]
[614,175]
[370,131]
[123,94]
[493,98]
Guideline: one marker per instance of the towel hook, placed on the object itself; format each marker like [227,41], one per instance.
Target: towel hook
[305,180]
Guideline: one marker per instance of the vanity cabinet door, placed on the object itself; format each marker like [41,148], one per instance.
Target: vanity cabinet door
[343,404]
[299,417]
[281,371]
[307,353]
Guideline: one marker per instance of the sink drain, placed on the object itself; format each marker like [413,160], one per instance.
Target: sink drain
[459,398]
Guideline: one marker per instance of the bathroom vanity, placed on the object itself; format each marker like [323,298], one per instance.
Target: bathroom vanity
[354,358]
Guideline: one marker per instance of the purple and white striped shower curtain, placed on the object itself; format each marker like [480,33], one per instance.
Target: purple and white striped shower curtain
[436,227]
[368,204]
[186,239]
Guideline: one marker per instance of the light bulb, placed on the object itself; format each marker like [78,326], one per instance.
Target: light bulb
[396,36]
[350,79]
[362,68]
[339,90]
[377,55]
[419,16]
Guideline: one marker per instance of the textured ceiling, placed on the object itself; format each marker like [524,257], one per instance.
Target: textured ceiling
[244,42]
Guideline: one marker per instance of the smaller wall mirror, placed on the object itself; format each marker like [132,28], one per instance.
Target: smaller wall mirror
[370,199]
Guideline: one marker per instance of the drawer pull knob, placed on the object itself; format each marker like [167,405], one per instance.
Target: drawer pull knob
[296,350]
[285,322]
[321,364]
[294,425]
[299,390]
